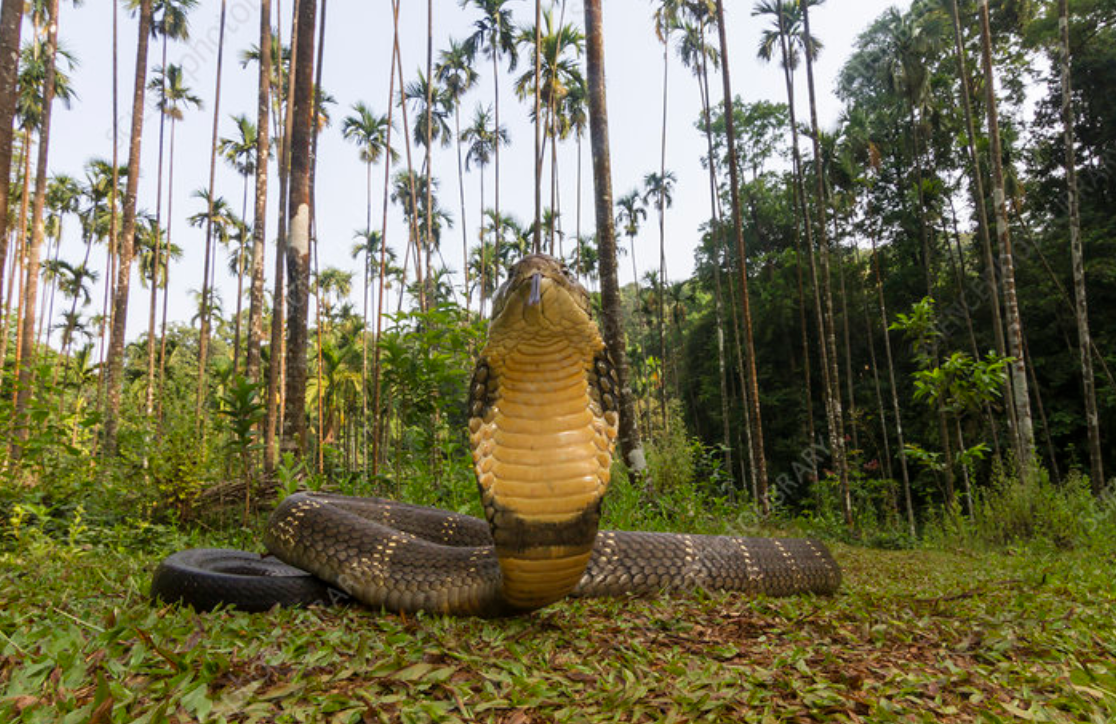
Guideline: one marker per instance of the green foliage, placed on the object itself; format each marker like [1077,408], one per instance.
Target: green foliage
[1028,636]
[240,408]
[1012,512]
[688,493]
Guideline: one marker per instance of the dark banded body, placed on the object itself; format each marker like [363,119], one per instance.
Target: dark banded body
[409,558]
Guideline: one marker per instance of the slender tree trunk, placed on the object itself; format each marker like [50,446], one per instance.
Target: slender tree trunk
[153,306]
[166,284]
[630,445]
[314,229]
[894,391]
[718,292]
[368,252]
[16,276]
[804,230]
[31,289]
[734,175]
[495,49]
[120,301]
[880,410]
[278,361]
[536,233]
[1020,395]
[298,248]
[838,452]
[1084,338]
[461,197]
[849,376]
[11,16]
[207,289]
[379,428]
[742,379]
[259,223]
[662,233]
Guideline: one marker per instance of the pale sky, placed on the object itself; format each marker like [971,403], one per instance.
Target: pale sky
[356,68]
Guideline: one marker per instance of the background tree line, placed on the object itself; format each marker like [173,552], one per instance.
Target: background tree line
[885,315]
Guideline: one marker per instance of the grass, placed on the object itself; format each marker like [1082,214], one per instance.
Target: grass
[913,636]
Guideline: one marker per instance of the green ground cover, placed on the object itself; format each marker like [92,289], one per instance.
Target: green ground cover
[917,635]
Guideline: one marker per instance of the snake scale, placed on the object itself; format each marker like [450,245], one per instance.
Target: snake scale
[543,424]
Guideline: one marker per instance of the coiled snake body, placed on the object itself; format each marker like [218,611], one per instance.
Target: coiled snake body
[543,422]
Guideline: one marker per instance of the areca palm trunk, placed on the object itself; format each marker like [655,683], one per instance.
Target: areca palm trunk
[461,196]
[30,291]
[630,445]
[15,276]
[277,365]
[1084,338]
[378,420]
[1025,435]
[894,390]
[496,170]
[746,312]
[11,15]
[662,233]
[298,247]
[849,377]
[166,285]
[830,336]
[128,228]
[887,470]
[803,230]
[154,303]
[718,292]
[978,184]
[207,290]
[259,224]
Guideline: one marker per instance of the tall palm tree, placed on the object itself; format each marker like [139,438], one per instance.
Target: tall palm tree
[658,191]
[698,54]
[259,223]
[369,244]
[830,334]
[31,83]
[758,454]
[786,38]
[1084,338]
[629,212]
[456,74]
[560,47]
[11,17]
[298,213]
[172,99]
[240,153]
[611,320]
[63,197]
[494,35]
[1021,401]
[31,285]
[74,284]
[115,359]
[483,137]
[209,265]
[169,21]
[432,107]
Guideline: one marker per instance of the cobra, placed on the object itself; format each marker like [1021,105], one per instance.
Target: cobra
[543,406]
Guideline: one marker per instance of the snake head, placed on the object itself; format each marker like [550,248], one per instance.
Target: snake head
[544,285]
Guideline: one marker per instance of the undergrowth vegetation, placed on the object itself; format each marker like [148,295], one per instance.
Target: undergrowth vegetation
[913,636]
